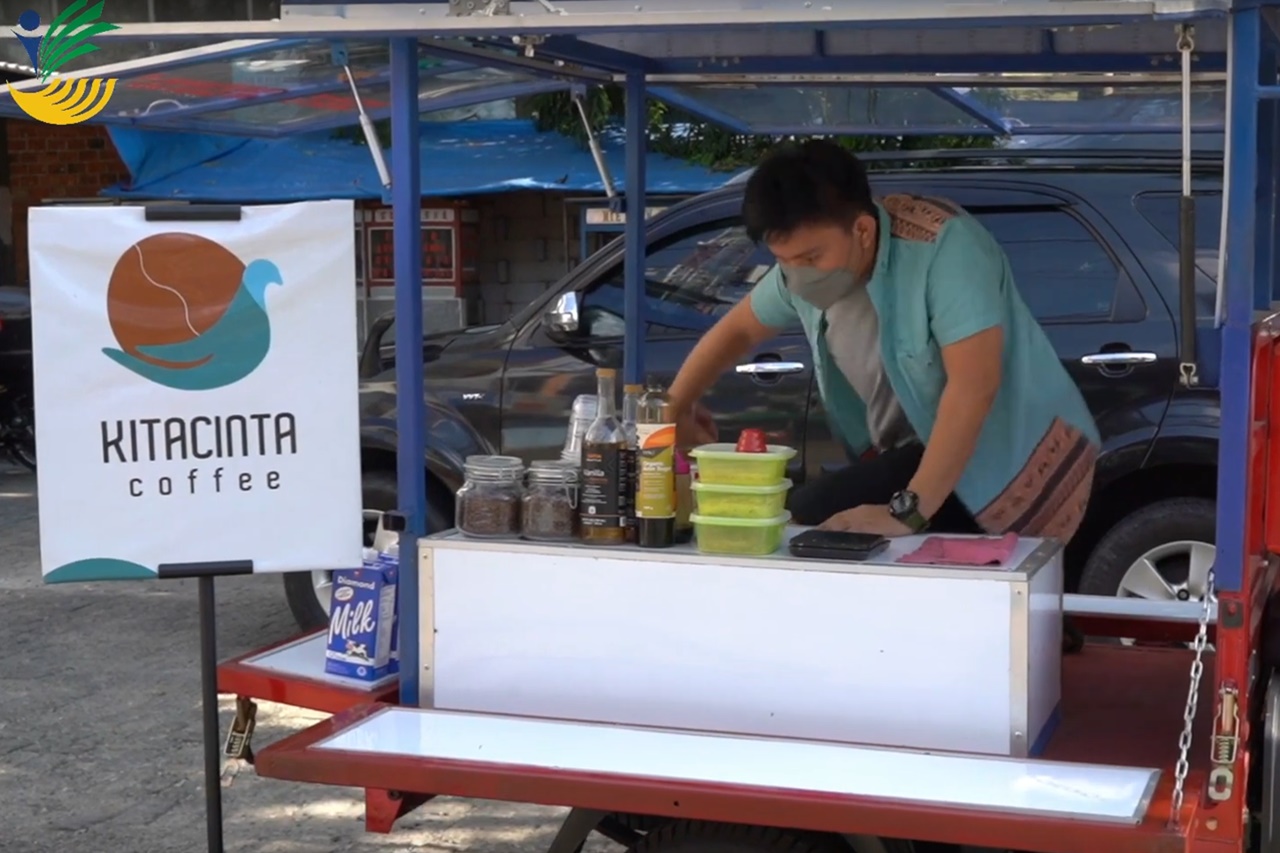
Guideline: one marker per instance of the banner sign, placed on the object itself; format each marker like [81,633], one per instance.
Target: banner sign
[195,391]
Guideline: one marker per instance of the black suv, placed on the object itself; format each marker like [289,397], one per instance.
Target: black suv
[1093,245]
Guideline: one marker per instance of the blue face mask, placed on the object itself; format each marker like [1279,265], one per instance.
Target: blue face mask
[820,288]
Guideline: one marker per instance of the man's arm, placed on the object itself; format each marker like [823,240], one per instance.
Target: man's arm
[966,308]
[754,320]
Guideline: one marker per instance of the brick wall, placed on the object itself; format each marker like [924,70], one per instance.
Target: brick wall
[522,249]
[47,162]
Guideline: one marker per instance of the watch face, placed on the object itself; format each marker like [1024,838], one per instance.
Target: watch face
[903,503]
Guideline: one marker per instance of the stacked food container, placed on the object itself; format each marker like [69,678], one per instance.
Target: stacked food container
[741,498]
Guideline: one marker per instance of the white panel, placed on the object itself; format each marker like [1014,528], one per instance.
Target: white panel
[1044,690]
[305,658]
[830,654]
[1067,791]
[201,375]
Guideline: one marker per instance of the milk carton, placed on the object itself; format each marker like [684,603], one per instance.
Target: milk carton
[362,616]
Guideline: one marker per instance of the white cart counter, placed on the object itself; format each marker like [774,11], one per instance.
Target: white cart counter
[949,658]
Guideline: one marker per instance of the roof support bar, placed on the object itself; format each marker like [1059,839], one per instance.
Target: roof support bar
[1187,372]
[366,123]
[594,144]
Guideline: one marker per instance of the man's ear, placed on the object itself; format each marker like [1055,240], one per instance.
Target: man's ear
[864,229]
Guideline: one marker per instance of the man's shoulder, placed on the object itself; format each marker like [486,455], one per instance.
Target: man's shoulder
[919,218]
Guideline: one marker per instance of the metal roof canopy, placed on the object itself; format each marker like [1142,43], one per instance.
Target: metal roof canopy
[847,69]
[685,43]
[281,87]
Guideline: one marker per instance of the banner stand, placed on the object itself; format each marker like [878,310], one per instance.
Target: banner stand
[205,573]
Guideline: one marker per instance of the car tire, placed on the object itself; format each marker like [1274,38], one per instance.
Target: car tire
[304,591]
[1161,552]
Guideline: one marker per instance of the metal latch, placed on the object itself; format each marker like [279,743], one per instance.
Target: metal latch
[1225,745]
[237,752]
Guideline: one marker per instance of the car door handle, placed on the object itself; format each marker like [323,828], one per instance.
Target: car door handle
[771,368]
[1118,359]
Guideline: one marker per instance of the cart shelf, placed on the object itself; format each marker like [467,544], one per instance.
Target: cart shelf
[1099,783]
[292,673]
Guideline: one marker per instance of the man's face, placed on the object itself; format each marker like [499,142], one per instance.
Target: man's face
[828,247]
[823,264]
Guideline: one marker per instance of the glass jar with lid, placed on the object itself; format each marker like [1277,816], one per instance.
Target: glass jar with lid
[550,510]
[488,504]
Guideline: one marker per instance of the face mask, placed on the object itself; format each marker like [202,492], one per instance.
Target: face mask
[820,288]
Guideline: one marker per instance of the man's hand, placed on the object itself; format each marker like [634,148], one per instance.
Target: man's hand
[695,426]
[868,518]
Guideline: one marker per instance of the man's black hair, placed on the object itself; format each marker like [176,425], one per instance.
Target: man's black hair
[816,182]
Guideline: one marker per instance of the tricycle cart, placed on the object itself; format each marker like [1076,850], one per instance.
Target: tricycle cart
[684,704]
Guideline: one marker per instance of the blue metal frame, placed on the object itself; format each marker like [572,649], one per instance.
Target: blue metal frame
[1241,299]
[411,484]
[637,124]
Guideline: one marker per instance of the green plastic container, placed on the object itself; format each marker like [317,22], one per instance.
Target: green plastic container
[721,465]
[755,502]
[739,537]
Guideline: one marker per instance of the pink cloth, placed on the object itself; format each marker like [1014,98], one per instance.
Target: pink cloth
[968,551]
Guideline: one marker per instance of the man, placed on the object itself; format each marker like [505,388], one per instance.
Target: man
[924,354]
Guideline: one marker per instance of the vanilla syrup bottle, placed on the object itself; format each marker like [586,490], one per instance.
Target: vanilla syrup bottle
[603,450]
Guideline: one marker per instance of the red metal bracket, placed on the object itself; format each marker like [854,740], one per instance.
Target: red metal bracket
[383,808]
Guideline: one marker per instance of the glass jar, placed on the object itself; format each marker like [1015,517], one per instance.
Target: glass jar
[550,508]
[584,412]
[488,504]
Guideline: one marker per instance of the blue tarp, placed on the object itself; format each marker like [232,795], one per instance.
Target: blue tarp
[458,158]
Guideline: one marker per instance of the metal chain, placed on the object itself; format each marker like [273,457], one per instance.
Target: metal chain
[1193,699]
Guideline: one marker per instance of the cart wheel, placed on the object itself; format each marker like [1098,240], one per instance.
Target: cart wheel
[690,836]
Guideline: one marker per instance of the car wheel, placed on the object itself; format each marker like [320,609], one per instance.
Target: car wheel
[308,593]
[1162,552]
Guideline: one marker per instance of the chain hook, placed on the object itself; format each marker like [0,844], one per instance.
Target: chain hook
[1193,698]
[1186,38]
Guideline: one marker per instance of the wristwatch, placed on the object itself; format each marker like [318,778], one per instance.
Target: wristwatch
[905,507]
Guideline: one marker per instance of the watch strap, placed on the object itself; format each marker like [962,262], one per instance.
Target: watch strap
[914,521]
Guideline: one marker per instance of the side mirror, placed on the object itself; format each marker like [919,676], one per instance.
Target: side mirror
[563,317]
[371,355]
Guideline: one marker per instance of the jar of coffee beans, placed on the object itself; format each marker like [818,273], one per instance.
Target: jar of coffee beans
[488,504]
[550,510]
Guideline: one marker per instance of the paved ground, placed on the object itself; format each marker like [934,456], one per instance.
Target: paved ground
[100,725]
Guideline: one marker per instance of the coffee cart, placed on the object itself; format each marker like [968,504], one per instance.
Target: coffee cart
[678,702]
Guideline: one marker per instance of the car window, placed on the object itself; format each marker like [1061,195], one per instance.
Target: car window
[1061,269]
[692,279]
[1162,211]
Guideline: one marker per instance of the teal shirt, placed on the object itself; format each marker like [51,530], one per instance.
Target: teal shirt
[940,279]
